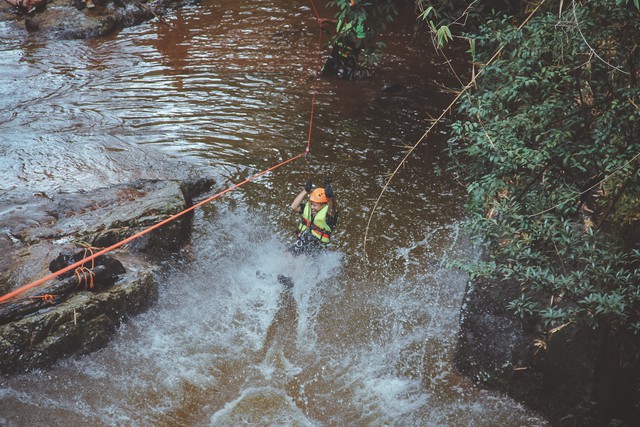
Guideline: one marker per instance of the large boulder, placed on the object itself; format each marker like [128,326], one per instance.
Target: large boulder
[40,232]
[83,323]
[574,375]
[37,227]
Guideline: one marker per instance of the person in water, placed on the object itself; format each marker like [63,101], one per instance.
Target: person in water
[318,217]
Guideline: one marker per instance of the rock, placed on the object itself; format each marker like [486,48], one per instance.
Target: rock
[497,349]
[82,324]
[71,19]
[66,259]
[94,279]
[573,375]
[102,217]
[37,228]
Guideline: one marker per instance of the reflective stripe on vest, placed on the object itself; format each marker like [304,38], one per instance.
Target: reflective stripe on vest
[319,228]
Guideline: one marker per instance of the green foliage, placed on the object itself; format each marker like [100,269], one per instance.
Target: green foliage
[549,151]
[442,34]
[445,18]
[438,19]
[372,15]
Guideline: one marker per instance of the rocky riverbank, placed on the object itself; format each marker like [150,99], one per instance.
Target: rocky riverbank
[72,19]
[38,228]
[575,376]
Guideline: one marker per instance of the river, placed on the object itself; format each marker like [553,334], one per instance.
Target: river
[364,337]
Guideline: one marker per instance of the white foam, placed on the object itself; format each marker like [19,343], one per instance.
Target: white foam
[274,408]
[344,346]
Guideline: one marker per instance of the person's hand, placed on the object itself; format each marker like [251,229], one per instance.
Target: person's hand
[328,191]
[308,186]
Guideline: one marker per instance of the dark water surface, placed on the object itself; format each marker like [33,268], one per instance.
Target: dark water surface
[226,92]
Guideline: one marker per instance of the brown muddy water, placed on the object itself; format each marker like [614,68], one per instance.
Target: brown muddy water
[226,92]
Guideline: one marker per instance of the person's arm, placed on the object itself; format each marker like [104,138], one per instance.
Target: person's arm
[308,186]
[295,205]
[329,193]
[332,214]
[332,207]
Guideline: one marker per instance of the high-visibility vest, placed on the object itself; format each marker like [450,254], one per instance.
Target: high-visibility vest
[319,227]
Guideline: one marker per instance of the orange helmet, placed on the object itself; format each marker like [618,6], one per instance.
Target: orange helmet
[318,196]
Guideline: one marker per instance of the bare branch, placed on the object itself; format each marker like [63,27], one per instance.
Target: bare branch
[575,16]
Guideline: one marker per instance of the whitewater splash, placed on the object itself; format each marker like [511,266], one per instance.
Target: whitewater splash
[228,344]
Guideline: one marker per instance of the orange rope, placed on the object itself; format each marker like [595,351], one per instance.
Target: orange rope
[46,298]
[81,274]
[315,11]
[178,215]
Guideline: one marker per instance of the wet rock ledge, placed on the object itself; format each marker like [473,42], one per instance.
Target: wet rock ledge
[79,313]
[573,375]
[72,19]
